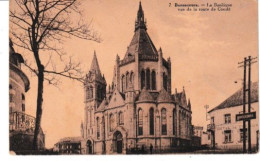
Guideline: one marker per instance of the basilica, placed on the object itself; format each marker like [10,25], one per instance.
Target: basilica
[138,109]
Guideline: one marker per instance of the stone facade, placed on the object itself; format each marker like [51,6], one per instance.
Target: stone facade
[138,111]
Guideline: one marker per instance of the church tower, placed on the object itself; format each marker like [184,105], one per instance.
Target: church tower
[140,21]
[95,92]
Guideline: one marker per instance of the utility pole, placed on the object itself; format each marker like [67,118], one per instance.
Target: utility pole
[206,107]
[244,107]
[244,102]
[247,62]
[249,103]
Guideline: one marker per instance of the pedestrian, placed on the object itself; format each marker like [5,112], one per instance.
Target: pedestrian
[142,150]
[151,149]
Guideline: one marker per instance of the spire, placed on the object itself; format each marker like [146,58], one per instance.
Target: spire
[94,65]
[160,52]
[117,58]
[141,43]
[140,22]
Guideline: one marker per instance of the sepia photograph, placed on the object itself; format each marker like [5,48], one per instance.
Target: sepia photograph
[146,77]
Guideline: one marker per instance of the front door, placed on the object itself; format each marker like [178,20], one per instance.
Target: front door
[119,146]
[89,145]
[118,142]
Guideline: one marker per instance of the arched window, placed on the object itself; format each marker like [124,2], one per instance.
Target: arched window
[180,119]
[111,122]
[11,97]
[102,91]
[140,122]
[184,124]
[10,86]
[151,117]
[90,92]
[98,128]
[187,122]
[132,77]
[142,79]
[165,81]
[23,97]
[87,92]
[123,83]
[126,80]
[121,118]
[174,119]
[148,79]
[164,121]
[153,80]
[90,116]
[23,105]
[98,92]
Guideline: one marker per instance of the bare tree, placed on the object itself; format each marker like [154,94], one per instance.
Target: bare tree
[41,26]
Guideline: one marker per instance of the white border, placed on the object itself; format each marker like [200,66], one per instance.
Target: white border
[4,144]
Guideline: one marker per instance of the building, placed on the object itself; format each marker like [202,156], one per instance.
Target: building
[196,136]
[138,111]
[206,139]
[70,145]
[197,131]
[226,132]
[200,138]
[21,125]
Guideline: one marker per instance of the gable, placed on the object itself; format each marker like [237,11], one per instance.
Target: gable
[116,100]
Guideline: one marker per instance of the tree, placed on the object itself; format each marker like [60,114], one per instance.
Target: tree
[40,27]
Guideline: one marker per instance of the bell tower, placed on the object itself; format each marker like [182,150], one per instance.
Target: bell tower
[95,84]
[95,92]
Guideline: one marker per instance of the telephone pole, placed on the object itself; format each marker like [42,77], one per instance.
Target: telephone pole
[247,62]
[206,107]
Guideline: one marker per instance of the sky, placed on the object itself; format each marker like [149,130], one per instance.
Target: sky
[204,47]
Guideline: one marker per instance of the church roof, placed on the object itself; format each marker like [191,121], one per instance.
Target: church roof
[145,96]
[102,106]
[71,139]
[94,65]
[15,60]
[14,57]
[237,98]
[141,42]
[154,95]
[164,96]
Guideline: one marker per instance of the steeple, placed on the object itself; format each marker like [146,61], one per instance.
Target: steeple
[94,65]
[140,21]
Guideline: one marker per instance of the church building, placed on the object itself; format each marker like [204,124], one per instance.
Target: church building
[138,110]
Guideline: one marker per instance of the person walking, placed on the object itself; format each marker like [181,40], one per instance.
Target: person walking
[151,149]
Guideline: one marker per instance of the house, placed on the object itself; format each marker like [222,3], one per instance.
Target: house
[226,131]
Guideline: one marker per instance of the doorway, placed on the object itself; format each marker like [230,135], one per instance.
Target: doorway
[118,142]
[89,147]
